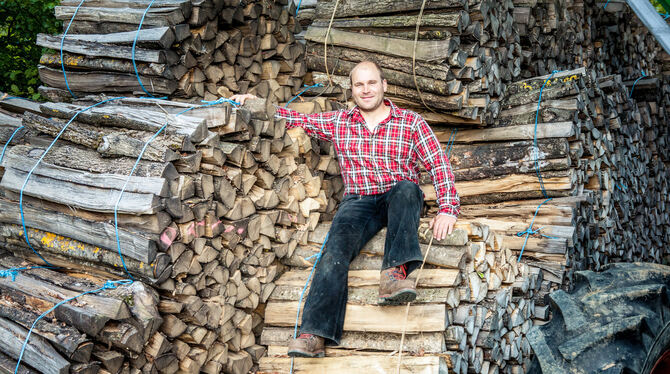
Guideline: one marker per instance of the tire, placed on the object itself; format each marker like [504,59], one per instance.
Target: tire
[616,321]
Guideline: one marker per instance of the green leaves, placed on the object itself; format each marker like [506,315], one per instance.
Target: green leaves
[20,22]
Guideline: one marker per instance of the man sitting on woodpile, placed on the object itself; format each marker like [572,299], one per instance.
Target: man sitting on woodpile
[379,146]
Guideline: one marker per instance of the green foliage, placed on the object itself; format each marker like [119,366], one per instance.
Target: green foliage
[661,5]
[20,22]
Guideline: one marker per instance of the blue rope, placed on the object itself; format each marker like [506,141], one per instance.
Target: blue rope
[304,289]
[2,155]
[529,231]
[107,286]
[13,272]
[608,1]
[634,83]
[536,148]
[220,100]
[450,143]
[137,35]
[23,221]
[302,92]
[62,40]
[298,8]
[132,171]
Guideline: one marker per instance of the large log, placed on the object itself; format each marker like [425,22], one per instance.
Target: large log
[95,49]
[135,119]
[455,21]
[355,365]
[38,352]
[155,17]
[25,158]
[355,8]
[426,50]
[83,197]
[73,62]
[105,82]
[159,37]
[101,234]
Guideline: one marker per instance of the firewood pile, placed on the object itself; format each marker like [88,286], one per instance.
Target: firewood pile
[215,201]
[465,53]
[474,306]
[186,48]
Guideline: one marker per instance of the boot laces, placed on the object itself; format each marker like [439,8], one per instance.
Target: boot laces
[399,273]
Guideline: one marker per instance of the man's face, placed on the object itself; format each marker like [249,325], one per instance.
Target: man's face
[367,87]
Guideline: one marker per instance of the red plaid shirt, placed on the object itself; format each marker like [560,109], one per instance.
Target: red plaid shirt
[372,163]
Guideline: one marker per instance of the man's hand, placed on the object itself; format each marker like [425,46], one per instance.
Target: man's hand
[442,225]
[242,98]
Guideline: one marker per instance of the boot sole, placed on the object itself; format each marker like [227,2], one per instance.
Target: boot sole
[306,355]
[400,297]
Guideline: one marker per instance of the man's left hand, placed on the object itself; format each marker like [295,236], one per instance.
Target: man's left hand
[442,225]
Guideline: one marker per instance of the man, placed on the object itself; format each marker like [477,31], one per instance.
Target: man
[379,147]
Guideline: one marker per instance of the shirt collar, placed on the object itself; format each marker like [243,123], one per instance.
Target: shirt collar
[355,112]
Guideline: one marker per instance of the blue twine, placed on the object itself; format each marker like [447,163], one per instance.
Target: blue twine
[13,272]
[450,143]
[62,40]
[30,173]
[132,171]
[536,148]
[304,289]
[220,100]
[529,231]
[298,8]
[608,1]
[302,92]
[634,83]
[107,286]
[12,97]
[2,155]
[137,35]
[622,188]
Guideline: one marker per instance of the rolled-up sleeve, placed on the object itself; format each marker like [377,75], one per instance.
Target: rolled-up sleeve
[318,125]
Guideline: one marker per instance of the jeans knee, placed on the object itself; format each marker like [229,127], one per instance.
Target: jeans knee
[408,191]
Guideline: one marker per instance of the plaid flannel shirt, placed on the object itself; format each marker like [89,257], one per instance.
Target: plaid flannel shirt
[372,163]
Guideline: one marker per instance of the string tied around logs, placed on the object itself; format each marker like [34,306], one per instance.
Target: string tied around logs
[62,42]
[307,88]
[634,83]
[132,54]
[220,100]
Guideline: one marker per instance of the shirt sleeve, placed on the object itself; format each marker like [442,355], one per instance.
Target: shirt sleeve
[318,125]
[434,159]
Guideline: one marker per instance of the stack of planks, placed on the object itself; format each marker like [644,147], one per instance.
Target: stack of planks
[474,306]
[215,201]
[465,54]
[186,48]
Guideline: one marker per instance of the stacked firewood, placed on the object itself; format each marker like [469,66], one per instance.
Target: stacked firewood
[215,201]
[186,48]
[465,53]
[473,309]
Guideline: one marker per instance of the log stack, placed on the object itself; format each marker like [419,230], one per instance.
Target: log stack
[216,200]
[473,309]
[187,48]
[465,54]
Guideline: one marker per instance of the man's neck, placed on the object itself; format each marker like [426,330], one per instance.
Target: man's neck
[374,117]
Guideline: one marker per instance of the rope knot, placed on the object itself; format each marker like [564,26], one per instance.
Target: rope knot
[220,100]
[9,273]
[110,285]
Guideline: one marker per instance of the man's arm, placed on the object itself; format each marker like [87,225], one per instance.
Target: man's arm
[318,125]
[431,154]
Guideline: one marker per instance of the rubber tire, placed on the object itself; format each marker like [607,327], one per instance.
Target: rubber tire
[615,321]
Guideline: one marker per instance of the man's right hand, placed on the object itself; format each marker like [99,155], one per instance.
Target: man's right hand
[242,98]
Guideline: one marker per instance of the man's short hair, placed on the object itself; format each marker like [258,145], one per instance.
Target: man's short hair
[373,62]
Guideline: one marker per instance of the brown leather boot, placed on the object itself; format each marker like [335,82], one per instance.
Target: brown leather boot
[394,287]
[306,345]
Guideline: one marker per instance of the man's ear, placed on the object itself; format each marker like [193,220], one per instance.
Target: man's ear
[384,84]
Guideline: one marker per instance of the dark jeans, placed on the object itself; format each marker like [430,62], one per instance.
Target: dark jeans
[357,220]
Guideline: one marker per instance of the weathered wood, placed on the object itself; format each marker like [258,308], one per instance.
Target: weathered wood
[155,17]
[422,318]
[426,50]
[362,278]
[98,49]
[105,82]
[101,234]
[38,352]
[324,9]
[72,62]
[159,37]
[135,119]
[521,132]
[454,21]
[425,342]
[24,158]
[84,197]
[355,364]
